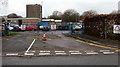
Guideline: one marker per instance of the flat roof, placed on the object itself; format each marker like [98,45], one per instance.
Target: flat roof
[22,18]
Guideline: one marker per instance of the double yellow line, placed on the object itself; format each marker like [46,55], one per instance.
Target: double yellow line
[97,45]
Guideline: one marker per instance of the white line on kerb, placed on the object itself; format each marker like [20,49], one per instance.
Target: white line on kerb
[108,52]
[29,54]
[44,51]
[76,53]
[104,50]
[12,54]
[92,53]
[59,51]
[30,46]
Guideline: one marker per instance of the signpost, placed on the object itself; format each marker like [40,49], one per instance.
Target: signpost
[116,29]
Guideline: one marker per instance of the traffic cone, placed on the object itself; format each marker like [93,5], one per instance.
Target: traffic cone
[44,37]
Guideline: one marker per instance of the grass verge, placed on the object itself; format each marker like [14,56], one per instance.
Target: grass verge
[11,33]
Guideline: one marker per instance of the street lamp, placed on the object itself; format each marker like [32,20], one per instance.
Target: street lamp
[71,28]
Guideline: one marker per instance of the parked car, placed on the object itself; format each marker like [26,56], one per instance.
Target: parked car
[45,29]
[30,27]
[11,27]
[16,28]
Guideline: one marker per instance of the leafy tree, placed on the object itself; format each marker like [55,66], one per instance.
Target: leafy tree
[70,15]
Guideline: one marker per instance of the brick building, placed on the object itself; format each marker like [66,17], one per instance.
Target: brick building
[34,11]
[26,21]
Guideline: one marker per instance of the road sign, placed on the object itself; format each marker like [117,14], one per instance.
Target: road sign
[53,27]
[77,26]
[116,29]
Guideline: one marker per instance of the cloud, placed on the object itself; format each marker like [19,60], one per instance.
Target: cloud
[101,6]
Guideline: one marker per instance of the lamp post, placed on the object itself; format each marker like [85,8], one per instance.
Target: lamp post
[71,28]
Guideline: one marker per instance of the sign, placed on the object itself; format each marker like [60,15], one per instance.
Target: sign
[53,27]
[23,27]
[77,26]
[116,29]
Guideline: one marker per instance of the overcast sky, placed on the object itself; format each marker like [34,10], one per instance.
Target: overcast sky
[101,6]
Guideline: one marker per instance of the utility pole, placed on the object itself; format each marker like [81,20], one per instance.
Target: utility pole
[3,6]
[3,11]
[105,29]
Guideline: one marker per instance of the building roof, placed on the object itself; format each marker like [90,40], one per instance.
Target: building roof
[21,18]
[58,20]
[49,20]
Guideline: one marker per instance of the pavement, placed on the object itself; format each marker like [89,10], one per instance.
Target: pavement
[28,48]
[63,60]
[30,44]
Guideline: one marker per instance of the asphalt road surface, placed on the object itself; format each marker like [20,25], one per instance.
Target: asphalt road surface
[64,60]
[28,48]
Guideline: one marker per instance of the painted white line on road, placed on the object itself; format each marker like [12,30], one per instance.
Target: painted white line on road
[32,51]
[75,53]
[91,53]
[117,50]
[104,50]
[59,51]
[29,54]
[30,46]
[108,52]
[0,54]
[44,51]
[11,54]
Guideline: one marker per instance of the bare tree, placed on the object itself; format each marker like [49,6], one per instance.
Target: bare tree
[70,15]
[90,12]
[56,15]
[114,12]
[13,15]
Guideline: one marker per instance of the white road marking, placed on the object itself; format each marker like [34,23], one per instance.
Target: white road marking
[0,54]
[104,50]
[91,53]
[11,54]
[59,51]
[117,50]
[108,52]
[75,53]
[30,46]
[32,51]
[29,54]
[44,51]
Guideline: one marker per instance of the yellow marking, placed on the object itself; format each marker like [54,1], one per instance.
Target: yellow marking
[7,39]
[49,39]
[65,39]
[97,45]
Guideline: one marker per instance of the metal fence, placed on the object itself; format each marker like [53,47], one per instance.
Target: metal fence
[101,26]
